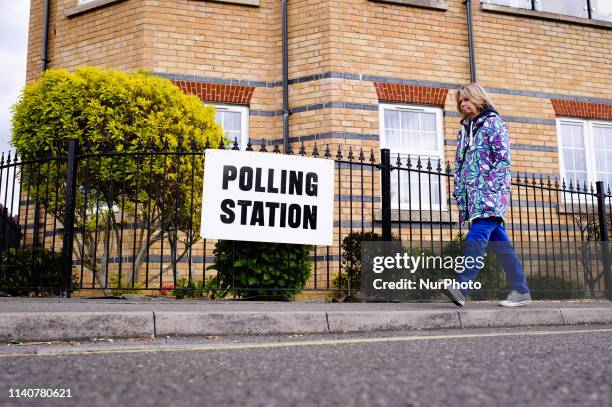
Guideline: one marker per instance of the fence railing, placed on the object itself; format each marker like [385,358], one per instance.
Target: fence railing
[129,222]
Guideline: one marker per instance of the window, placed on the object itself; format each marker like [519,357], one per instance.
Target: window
[85,1]
[511,3]
[599,9]
[576,8]
[234,120]
[585,150]
[413,132]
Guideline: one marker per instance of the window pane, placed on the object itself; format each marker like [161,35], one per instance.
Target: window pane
[607,136]
[601,9]
[600,160]
[394,139]
[410,120]
[416,190]
[603,151]
[579,159]
[566,136]
[231,121]
[429,139]
[568,159]
[510,3]
[577,136]
[577,8]
[412,140]
[428,122]
[392,119]
[598,137]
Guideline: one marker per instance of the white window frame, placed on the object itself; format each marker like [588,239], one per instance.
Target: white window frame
[244,121]
[589,150]
[428,153]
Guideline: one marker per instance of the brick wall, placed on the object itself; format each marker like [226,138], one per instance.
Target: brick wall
[587,110]
[344,58]
[214,92]
[424,95]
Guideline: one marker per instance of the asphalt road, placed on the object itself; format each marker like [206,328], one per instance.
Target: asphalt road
[568,366]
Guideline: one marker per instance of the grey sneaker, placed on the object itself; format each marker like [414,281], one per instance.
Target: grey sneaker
[516,299]
[455,296]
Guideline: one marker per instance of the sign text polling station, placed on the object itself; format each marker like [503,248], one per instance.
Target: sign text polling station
[267,197]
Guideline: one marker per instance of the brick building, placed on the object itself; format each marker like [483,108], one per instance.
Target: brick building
[365,73]
[353,63]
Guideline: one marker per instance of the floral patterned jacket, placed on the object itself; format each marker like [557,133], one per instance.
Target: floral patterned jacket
[482,167]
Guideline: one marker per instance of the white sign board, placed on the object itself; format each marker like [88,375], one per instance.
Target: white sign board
[266,197]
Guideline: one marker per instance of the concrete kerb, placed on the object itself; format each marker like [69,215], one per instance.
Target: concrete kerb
[172,323]
[355,321]
[62,326]
[506,317]
[47,326]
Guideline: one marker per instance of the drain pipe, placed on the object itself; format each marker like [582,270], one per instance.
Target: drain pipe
[43,67]
[45,39]
[468,4]
[285,77]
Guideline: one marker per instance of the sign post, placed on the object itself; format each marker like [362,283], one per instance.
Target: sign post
[267,197]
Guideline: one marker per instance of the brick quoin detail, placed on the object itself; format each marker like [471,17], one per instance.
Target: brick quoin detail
[587,110]
[216,92]
[422,95]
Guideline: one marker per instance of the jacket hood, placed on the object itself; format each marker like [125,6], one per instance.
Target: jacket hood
[477,120]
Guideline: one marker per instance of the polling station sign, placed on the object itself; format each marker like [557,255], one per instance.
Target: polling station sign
[266,197]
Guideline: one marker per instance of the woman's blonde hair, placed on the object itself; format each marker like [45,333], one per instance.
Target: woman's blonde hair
[475,94]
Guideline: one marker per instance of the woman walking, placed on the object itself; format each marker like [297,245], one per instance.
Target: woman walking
[482,191]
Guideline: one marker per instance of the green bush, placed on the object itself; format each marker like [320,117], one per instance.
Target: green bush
[197,289]
[113,111]
[124,286]
[554,288]
[34,270]
[188,289]
[248,269]
[349,278]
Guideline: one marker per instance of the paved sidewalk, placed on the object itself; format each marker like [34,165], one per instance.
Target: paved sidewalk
[42,319]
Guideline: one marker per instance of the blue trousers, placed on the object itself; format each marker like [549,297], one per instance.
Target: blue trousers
[483,231]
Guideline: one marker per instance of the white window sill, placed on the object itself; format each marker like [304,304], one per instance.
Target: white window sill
[494,8]
[430,4]
[92,5]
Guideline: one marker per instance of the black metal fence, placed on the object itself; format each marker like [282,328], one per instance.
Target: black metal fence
[129,221]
